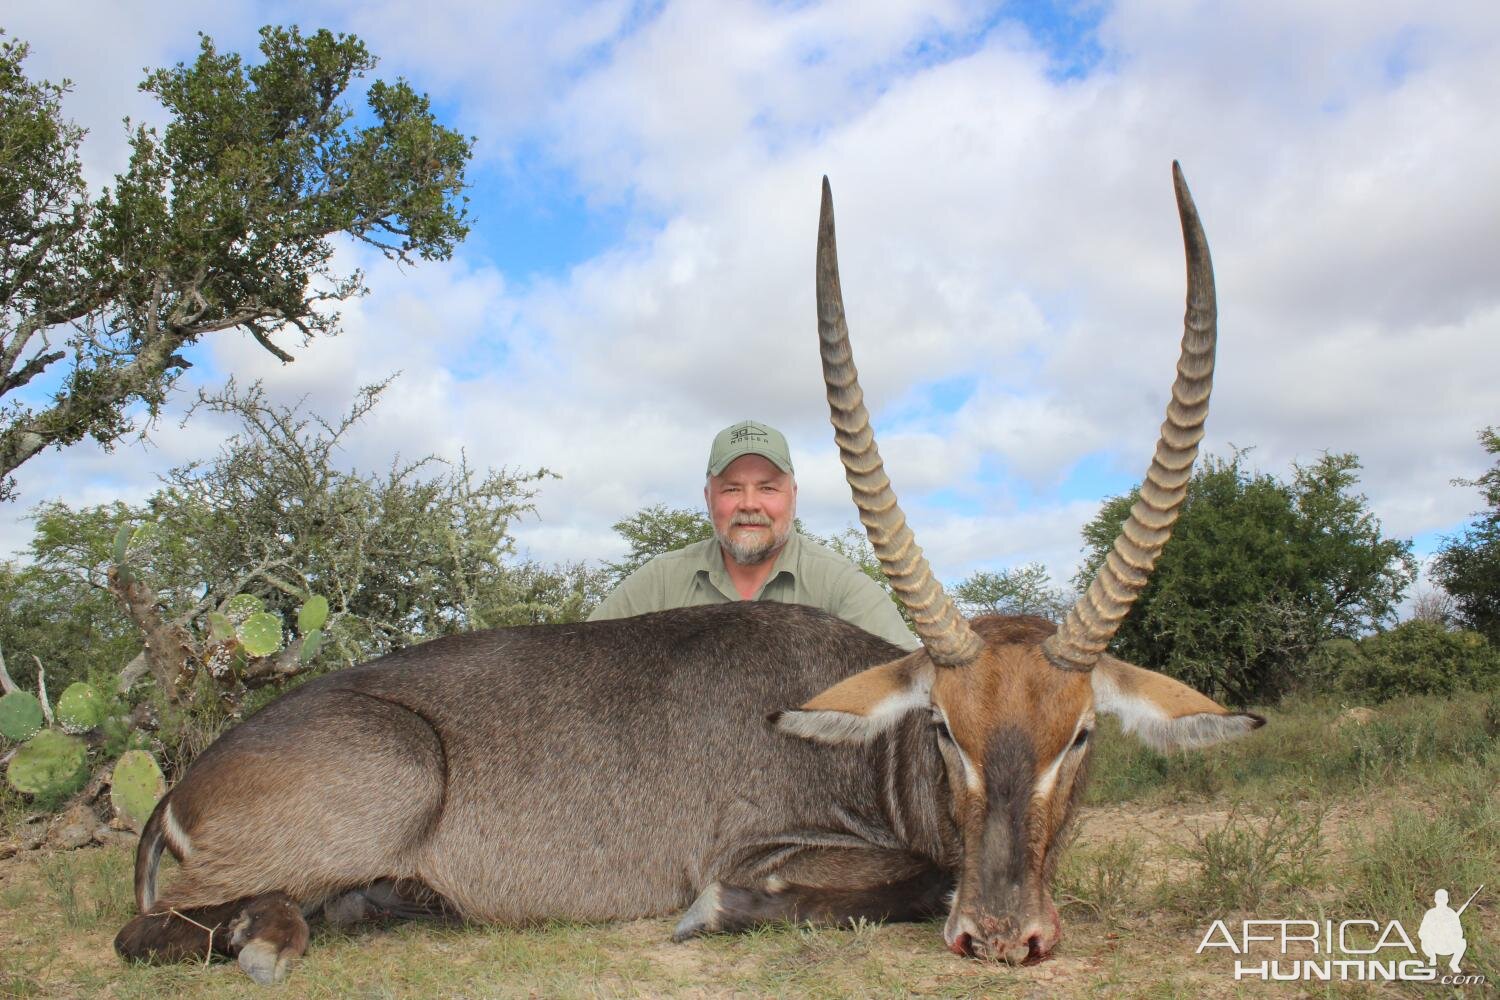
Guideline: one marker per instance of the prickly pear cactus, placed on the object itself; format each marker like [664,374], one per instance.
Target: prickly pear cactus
[260,634]
[242,606]
[311,643]
[50,764]
[80,708]
[135,787]
[20,716]
[312,615]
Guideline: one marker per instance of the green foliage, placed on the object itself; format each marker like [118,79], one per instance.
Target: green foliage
[222,220]
[1101,880]
[654,530]
[416,552]
[49,766]
[1258,573]
[135,786]
[1456,846]
[55,615]
[1309,748]
[1415,657]
[1025,590]
[80,708]
[20,715]
[93,889]
[1468,565]
[1249,863]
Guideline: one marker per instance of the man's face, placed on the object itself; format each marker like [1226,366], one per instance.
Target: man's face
[752,504]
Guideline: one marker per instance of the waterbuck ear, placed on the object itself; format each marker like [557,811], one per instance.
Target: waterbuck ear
[861,707]
[1163,713]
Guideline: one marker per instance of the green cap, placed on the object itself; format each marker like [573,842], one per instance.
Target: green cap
[749,437]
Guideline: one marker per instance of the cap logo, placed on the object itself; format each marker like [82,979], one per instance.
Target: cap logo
[748,435]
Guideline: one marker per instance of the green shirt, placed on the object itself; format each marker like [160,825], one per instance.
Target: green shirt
[804,573]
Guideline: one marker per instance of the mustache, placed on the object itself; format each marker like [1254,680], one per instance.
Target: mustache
[751,520]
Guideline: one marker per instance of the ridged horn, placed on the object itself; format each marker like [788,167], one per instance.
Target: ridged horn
[1093,621]
[948,638]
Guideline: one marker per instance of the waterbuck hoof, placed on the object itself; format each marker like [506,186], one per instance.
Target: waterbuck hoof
[702,917]
[265,963]
[267,937]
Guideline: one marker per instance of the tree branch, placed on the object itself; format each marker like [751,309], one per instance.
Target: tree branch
[6,684]
[169,649]
[263,341]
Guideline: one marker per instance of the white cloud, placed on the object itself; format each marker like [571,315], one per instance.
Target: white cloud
[1000,231]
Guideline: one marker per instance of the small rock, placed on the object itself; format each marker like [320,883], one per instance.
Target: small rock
[31,834]
[109,836]
[1355,717]
[73,829]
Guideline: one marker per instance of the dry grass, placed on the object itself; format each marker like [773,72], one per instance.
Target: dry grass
[1137,890]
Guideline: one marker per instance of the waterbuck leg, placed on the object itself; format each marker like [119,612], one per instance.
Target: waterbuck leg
[266,934]
[884,885]
[404,899]
[173,935]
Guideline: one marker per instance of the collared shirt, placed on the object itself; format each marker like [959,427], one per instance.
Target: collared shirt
[804,573]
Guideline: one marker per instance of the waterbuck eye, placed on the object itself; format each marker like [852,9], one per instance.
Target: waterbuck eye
[1081,739]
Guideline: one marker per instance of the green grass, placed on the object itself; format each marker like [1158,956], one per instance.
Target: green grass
[1304,751]
[1250,862]
[1100,882]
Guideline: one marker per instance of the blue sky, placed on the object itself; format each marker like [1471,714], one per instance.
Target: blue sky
[645,193]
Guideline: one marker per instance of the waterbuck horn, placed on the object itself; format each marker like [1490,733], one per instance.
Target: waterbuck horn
[1096,617]
[948,638]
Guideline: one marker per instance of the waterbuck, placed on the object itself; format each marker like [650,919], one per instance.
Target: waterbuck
[629,768]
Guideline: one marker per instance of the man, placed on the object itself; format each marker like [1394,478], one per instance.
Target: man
[755,554]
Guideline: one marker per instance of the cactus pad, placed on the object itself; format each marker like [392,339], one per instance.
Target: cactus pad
[20,716]
[313,614]
[220,628]
[242,606]
[50,765]
[80,708]
[260,634]
[122,542]
[311,643]
[135,787]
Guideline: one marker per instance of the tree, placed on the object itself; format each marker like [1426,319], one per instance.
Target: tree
[1257,574]
[653,530]
[1026,590]
[221,221]
[1468,565]
[419,551]
[56,619]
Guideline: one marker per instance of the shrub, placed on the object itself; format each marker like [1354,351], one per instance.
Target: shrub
[1417,657]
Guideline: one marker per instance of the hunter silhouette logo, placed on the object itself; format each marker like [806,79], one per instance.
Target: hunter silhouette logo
[1441,933]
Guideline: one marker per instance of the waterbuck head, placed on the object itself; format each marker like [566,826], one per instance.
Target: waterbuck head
[1012,700]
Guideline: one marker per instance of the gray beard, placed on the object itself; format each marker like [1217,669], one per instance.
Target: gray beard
[752,553]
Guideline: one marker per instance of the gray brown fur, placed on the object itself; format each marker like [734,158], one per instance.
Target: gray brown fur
[591,771]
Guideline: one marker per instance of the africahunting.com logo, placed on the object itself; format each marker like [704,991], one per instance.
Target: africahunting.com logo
[1361,950]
